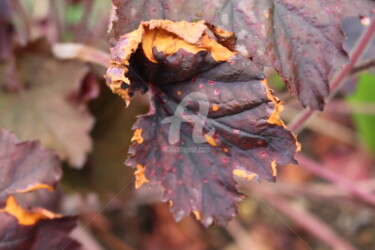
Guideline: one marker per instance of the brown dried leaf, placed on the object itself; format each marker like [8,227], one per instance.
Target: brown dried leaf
[43,110]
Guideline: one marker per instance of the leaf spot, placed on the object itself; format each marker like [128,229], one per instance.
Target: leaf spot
[140,176]
[210,140]
[137,136]
[244,174]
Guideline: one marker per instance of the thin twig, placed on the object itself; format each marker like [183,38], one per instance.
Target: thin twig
[364,66]
[316,190]
[240,235]
[81,52]
[85,238]
[303,218]
[325,126]
[327,174]
[342,107]
[339,78]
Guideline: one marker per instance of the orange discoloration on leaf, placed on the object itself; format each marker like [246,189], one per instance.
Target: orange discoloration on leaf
[36,187]
[275,116]
[165,42]
[167,37]
[299,146]
[197,215]
[140,176]
[137,136]
[24,217]
[244,174]
[274,168]
[215,107]
[221,32]
[120,55]
[218,51]
[210,140]
[116,72]
[191,32]
[171,65]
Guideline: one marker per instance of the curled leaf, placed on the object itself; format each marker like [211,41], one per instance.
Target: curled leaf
[212,115]
[301,39]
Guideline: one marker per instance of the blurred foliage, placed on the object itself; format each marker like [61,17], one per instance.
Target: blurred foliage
[276,83]
[74,13]
[365,123]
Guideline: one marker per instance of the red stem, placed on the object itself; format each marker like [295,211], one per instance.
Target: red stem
[305,219]
[339,78]
[297,124]
[329,175]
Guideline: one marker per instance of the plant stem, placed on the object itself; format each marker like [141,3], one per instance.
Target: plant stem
[339,78]
[366,65]
[301,217]
[297,124]
[240,235]
[81,52]
[331,176]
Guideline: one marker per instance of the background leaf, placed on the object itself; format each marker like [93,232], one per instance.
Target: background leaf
[42,110]
[28,167]
[365,123]
[25,166]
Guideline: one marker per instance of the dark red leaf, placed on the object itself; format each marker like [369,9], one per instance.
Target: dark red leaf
[25,166]
[248,140]
[29,167]
[46,234]
[301,39]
